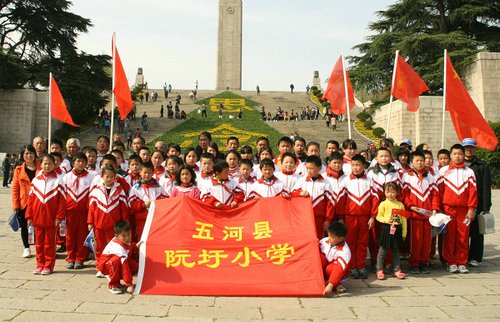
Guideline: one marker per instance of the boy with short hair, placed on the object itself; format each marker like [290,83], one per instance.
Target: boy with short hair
[109,159]
[284,146]
[58,161]
[145,154]
[118,145]
[312,148]
[246,180]
[443,158]
[288,175]
[134,169]
[207,165]
[56,146]
[91,154]
[387,143]
[358,207]
[299,146]
[335,257]
[173,149]
[119,161]
[316,187]
[460,205]
[335,175]
[221,191]
[268,185]
[120,258]
[332,146]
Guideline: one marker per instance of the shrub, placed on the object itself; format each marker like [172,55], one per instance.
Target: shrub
[314,88]
[363,116]
[492,157]
[369,124]
[378,131]
[62,134]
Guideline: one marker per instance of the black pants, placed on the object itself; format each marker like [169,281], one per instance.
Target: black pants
[23,223]
[476,245]
[6,177]
[203,112]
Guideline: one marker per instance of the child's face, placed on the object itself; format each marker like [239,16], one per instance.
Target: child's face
[47,165]
[444,160]
[390,146]
[313,150]
[403,159]
[124,237]
[350,152]
[429,161]
[299,147]
[173,151]
[79,164]
[267,172]
[108,177]
[191,159]
[357,167]
[418,163]
[265,155]
[55,148]
[232,160]
[330,148]
[108,162]
[134,167]
[457,156]
[288,164]
[203,142]
[336,165]
[212,151]
[147,174]
[91,157]
[390,193]
[245,171]
[247,156]
[119,148]
[57,162]
[119,159]
[185,176]
[157,159]
[334,240]
[207,165]
[172,166]
[232,145]
[145,156]
[383,158]
[285,147]
[312,170]
[223,175]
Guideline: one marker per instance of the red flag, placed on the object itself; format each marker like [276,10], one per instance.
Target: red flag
[335,91]
[467,120]
[58,106]
[121,89]
[407,85]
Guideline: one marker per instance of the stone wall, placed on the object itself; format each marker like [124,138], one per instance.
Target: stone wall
[24,116]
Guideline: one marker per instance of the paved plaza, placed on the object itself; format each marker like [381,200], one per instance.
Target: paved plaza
[69,295]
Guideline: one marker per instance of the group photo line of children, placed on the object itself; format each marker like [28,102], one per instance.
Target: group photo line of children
[378,203]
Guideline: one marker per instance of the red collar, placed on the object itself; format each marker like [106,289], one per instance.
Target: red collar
[319,179]
[273,180]
[453,165]
[159,171]
[352,176]
[250,180]
[346,159]
[288,173]
[331,173]
[216,182]
[204,175]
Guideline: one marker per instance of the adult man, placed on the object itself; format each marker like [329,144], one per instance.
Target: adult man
[261,141]
[291,88]
[483,184]
[137,144]
[232,143]
[39,145]
[161,146]
[72,146]
[204,109]
[331,146]
[102,147]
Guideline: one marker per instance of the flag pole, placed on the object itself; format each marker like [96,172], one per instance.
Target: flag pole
[392,87]
[346,96]
[112,90]
[50,111]
[444,98]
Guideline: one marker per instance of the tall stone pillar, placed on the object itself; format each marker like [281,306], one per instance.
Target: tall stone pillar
[229,45]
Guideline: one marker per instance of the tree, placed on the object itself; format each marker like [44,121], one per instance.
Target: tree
[421,30]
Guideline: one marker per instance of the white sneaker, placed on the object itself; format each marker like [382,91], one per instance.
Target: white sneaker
[462,269]
[99,274]
[26,253]
[453,268]
[475,263]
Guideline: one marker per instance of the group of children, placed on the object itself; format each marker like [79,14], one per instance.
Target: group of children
[352,205]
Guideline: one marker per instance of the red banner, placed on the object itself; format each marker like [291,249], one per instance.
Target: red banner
[265,247]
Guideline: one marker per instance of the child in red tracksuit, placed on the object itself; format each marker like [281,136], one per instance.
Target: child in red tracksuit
[268,185]
[120,259]
[221,191]
[457,189]
[46,209]
[422,198]
[358,207]
[319,190]
[335,257]
[77,184]
[107,205]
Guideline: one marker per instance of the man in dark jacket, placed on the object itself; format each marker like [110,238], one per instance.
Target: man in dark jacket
[483,183]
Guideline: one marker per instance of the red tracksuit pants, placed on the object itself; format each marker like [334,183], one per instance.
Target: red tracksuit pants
[133,226]
[456,239]
[77,231]
[102,238]
[420,243]
[333,271]
[118,271]
[45,244]
[358,236]
[319,221]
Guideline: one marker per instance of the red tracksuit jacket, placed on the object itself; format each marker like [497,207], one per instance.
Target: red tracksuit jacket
[46,201]
[420,191]
[104,210]
[320,192]
[358,197]
[457,186]
[126,253]
[78,190]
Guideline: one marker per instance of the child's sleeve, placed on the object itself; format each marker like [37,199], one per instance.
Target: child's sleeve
[29,212]
[404,223]
[435,198]
[330,204]
[472,193]
[340,204]
[297,189]
[136,204]
[381,213]
[239,195]
[196,193]
[61,205]
[125,211]
[92,206]
[374,203]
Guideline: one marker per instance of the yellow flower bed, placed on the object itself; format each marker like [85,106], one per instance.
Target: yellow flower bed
[360,127]
[315,100]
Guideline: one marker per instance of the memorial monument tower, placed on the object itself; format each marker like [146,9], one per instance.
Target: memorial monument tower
[229,45]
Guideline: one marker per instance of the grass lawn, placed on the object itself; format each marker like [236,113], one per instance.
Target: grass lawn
[247,129]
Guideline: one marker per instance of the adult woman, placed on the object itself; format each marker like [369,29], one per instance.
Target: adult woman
[21,185]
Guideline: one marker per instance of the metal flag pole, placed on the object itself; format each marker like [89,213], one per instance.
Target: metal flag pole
[392,87]
[346,97]
[50,111]
[112,90]
[444,98]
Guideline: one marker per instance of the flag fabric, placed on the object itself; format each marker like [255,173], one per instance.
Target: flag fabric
[335,91]
[121,89]
[58,106]
[407,85]
[466,118]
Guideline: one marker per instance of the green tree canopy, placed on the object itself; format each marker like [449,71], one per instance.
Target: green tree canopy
[421,30]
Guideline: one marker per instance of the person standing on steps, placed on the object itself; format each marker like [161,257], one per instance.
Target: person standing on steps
[291,88]
[258,90]
[161,112]
[204,110]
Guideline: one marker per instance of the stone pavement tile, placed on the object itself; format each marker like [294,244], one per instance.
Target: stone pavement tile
[323,313]
[452,290]
[495,289]
[407,282]
[30,316]
[481,275]
[86,295]
[130,318]
[472,312]
[38,305]
[276,302]
[49,284]
[483,299]
[381,291]
[390,313]
[264,320]
[426,301]
[11,283]
[468,281]
[342,301]
[173,300]
[23,293]
[28,275]
[355,283]
[6,314]
[113,308]
[214,312]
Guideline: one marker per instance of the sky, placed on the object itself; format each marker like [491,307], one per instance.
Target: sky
[175,41]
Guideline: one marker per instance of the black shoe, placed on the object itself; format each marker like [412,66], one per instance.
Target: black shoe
[424,269]
[363,273]
[414,270]
[78,265]
[70,265]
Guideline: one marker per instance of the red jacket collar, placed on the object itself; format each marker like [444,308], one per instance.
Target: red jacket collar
[352,176]
[331,173]
[250,180]
[319,179]
[273,180]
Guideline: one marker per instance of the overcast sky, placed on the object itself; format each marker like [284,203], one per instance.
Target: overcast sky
[175,41]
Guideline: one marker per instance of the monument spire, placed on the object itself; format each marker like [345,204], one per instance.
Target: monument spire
[229,45]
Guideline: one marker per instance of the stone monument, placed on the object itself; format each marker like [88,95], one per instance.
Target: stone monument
[316,81]
[139,78]
[229,45]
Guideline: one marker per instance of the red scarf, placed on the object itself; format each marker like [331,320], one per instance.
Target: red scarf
[421,175]
[288,173]
[159,171]
[331,173]
[46,176]
[91,167]
[78,176]
[453,165]
[204,175]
